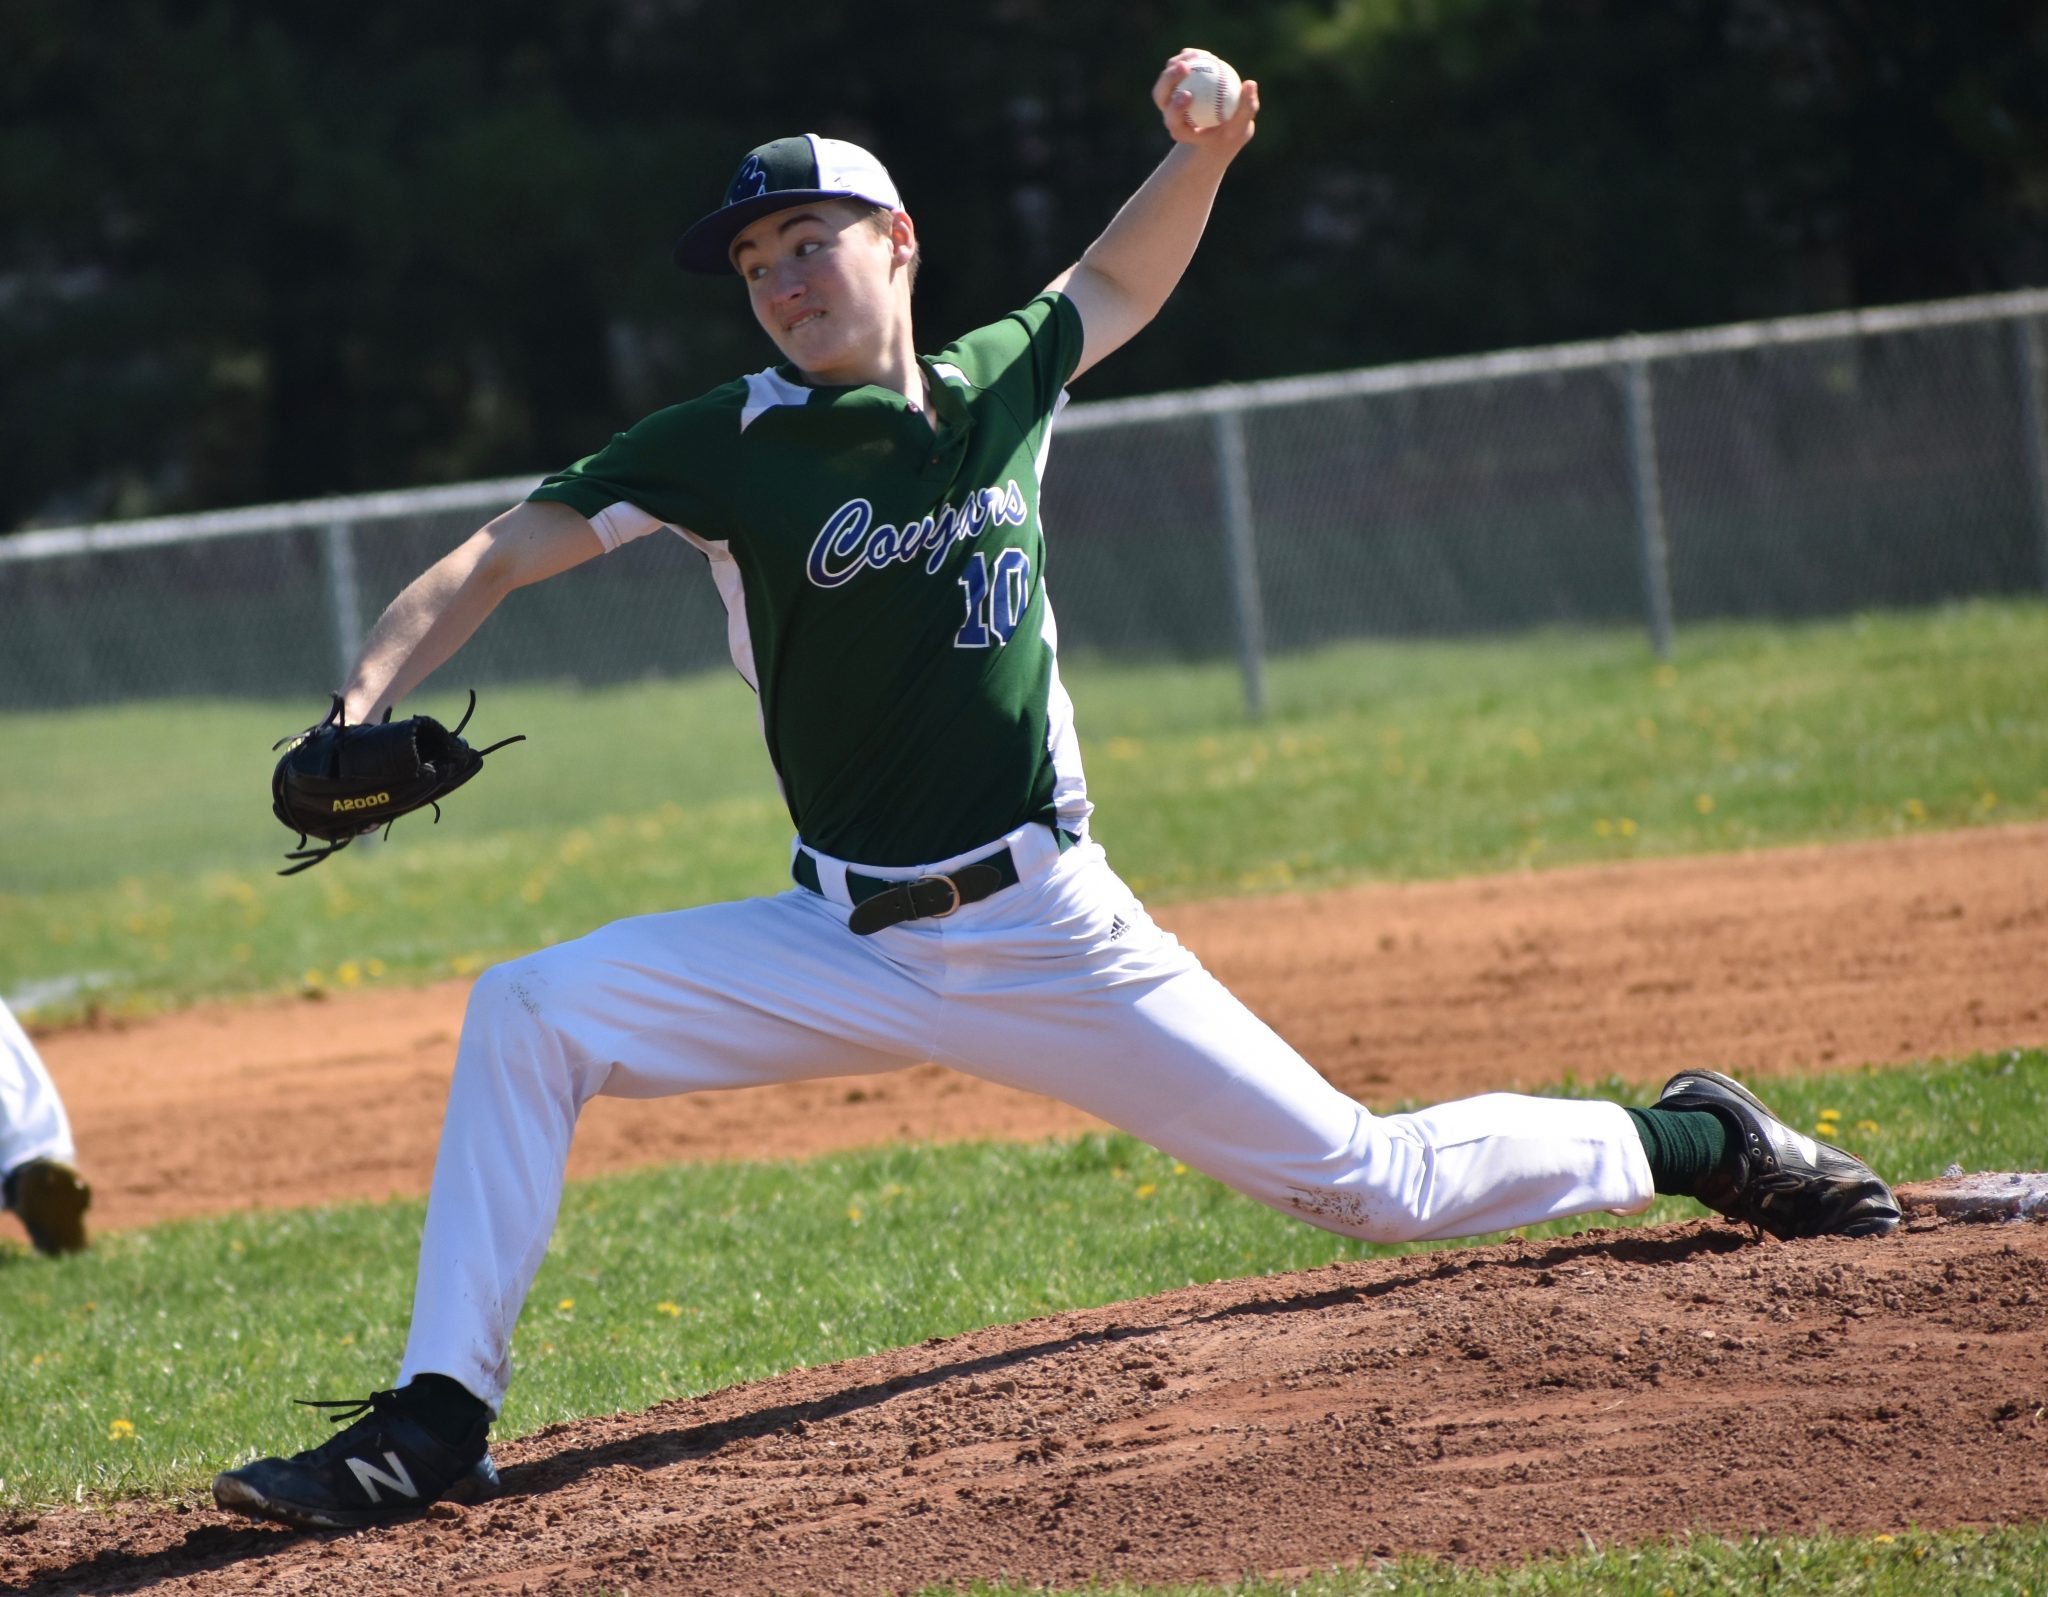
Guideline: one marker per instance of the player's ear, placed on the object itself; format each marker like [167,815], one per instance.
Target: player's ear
[902,238]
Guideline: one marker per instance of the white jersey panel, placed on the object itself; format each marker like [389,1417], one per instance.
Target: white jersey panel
[1070,786]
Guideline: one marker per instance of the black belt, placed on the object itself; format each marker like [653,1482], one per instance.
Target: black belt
[879,901]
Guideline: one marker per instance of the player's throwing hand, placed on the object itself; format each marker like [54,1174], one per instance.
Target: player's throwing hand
[1202,101]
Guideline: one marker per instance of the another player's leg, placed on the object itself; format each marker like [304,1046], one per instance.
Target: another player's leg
[730,995]
[39,1180]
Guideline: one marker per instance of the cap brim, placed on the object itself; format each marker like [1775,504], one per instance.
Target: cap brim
[707,246]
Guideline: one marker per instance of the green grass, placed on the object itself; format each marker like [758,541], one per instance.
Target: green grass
[144,1365]
[2011,1561]
[137,847]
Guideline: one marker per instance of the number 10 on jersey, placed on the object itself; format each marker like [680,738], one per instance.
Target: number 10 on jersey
[995,598]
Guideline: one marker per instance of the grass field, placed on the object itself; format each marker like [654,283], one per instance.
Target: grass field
[2009,1562]
[137,848]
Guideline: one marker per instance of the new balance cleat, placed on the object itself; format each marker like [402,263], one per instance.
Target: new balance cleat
[1783,1181]
[51,1199]
[384,1467]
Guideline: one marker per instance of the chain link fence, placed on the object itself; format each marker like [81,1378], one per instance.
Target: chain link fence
[1811,466]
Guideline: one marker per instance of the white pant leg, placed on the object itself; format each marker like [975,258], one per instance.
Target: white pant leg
[1130,1027]
[730,995]
[32,1120]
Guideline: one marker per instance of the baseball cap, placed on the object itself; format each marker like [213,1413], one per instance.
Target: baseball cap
[775,176]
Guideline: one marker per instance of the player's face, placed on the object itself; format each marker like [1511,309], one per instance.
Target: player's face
[822,282]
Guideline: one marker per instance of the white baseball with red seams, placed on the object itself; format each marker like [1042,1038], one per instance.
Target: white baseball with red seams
[1213,86]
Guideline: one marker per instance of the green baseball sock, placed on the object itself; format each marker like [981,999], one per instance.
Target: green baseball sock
[1684,1146]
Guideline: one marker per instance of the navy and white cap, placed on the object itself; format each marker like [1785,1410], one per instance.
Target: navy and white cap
[775,177]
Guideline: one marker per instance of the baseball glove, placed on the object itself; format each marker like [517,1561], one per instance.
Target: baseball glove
[337,782]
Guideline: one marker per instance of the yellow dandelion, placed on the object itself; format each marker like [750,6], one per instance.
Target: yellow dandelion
[1831,1114]
[1915,810]
[853,1214]
[1667,676]
[672,1310]
[348,1339]
[1603,827]
[1987,801]
[373,968]
[466,964]
[1646,729]
[313,978]
[533,891]
[121,1431]
[566,1305]
[1180,1169]
[1704,803]
[1881,1537]
[1125,748]
[1146,1190]
[1866,1126]
[349,973]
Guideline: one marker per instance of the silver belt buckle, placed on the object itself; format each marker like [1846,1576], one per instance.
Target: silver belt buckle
[952,887]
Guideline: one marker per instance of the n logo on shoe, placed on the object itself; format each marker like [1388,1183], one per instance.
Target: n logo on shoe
[369,1477]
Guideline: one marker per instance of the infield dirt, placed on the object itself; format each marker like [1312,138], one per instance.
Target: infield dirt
[1480,1404]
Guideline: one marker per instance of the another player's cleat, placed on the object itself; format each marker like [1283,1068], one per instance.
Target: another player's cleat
[51,1199]
[1781,1180]
[384,1467]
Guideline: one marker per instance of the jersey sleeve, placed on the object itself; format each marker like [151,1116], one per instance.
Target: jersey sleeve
[1026,357]
[671,468]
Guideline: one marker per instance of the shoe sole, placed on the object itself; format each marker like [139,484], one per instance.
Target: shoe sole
[237,1496]
[51,1199]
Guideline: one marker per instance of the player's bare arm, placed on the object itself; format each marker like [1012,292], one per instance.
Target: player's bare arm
[1125,276]
[446,603]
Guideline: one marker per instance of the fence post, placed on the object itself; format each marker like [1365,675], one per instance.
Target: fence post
[1648,493]
[2027,333]
[1242,558]
[338,538]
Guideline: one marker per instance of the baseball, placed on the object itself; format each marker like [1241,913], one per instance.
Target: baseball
[1214,85]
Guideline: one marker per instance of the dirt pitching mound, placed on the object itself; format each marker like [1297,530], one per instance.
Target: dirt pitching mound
[1476,1404]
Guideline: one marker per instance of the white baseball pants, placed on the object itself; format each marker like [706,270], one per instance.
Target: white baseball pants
[32,1119]
[1060,985]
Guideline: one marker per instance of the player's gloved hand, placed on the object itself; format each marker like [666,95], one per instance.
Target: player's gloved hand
[336,781]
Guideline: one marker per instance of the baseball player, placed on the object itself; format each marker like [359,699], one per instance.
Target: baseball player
[38,1176]
[870,517]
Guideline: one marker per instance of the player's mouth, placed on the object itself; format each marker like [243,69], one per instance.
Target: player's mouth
[802,321]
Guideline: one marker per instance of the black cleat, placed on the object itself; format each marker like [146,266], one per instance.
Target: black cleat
[51,1199]
[1783,1181]
[384,1467]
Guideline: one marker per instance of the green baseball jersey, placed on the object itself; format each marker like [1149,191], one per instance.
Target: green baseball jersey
[883,574]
